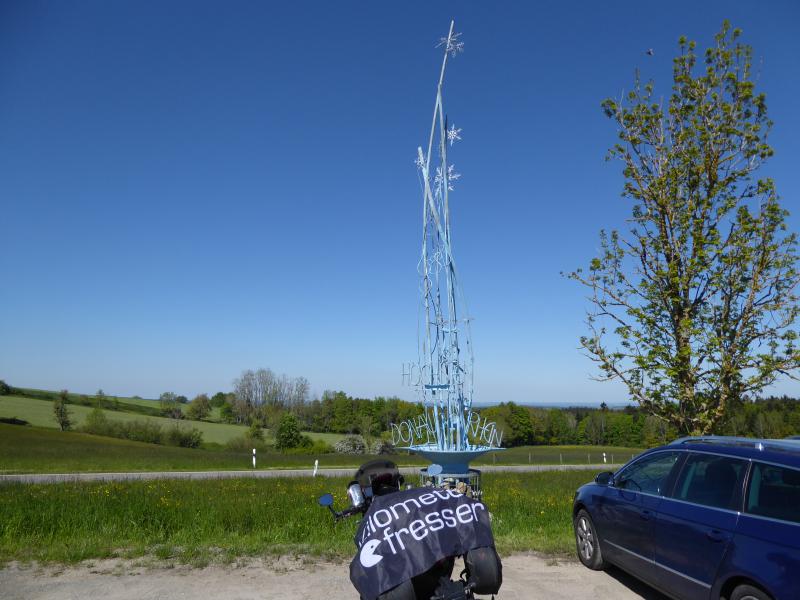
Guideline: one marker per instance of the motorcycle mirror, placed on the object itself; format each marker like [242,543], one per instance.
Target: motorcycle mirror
[325,500]
[435,469]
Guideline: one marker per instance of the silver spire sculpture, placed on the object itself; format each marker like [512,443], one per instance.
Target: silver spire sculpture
[448,432]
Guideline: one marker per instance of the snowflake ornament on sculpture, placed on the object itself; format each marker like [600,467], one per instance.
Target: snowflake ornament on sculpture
[452,44]
[452,176]
[438,180]
[453,134]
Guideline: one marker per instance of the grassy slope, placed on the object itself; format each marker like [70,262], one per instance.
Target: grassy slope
[39,450]
[198,520]
[40,414]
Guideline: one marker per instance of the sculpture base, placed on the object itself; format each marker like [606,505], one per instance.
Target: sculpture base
[453,462]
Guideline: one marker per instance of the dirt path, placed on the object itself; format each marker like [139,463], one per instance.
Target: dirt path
[526,577]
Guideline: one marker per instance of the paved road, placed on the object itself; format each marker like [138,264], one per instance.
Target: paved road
[525,577]
[265,473]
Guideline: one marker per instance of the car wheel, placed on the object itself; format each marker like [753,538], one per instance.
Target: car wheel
[587,542]
[748,592]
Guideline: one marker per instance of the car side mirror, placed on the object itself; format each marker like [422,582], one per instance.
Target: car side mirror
[325,500]
[605,478]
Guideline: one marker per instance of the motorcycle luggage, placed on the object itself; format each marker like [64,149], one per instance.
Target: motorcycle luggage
[382,476]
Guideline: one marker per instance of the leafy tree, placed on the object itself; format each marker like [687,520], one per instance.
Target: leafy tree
[100,399]
[693,308]
[199,408]
[594,427]
[255,432]
[226,413]
[182,399]
[61,412]
[343,414]
[520,426]
[170,406]
[218,399]
[288,435]
[5,389]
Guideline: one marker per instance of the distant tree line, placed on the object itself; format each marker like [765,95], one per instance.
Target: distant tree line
[262,399]
[771,417]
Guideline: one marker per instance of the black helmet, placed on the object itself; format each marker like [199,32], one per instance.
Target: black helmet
[382,476]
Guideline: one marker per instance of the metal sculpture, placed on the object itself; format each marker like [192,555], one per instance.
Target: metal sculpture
[448,432]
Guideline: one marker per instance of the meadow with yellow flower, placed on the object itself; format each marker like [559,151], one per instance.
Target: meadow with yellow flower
[219,520]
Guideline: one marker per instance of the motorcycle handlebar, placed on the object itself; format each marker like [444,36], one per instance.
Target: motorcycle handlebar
[347,512]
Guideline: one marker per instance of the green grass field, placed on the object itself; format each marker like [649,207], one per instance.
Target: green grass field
[553,455]
[198,521]
[40,414]
[40,450]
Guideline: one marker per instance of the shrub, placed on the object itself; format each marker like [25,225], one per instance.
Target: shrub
[97,423]
[5,389]
[185,437]
[255,432]
[140,431]
[244,443]
[312,447]
[13,421]
[381,446]
[288,435]
[352,444]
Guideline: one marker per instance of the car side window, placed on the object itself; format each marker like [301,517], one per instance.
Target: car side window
[648,474]
[710,480]
[774,492]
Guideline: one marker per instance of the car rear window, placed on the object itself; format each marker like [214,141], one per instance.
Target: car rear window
[774,492]
[710,480]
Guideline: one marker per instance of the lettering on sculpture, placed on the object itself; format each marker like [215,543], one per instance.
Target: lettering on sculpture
[422,430]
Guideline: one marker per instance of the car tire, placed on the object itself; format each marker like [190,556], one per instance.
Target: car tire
[748,592]
[587,542]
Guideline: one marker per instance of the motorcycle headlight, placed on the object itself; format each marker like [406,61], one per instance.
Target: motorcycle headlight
[356,495]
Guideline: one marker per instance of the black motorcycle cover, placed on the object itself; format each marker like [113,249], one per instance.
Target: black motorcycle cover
[406,533]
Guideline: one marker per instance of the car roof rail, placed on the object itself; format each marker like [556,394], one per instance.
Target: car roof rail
[755,443]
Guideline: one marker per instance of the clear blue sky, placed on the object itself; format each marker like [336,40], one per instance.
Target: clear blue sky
[190,189]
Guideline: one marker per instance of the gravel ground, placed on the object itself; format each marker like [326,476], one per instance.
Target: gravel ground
[525,577]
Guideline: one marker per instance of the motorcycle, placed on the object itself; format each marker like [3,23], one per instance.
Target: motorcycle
[408,539]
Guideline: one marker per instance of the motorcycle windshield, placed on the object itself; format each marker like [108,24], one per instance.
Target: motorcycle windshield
[406,533]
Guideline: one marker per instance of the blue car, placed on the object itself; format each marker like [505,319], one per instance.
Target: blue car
[702,518]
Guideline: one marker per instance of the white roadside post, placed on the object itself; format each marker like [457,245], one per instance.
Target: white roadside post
[604,458]
[316,466]
[254,458]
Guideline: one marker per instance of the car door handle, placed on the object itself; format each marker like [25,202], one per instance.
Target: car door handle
[717,536]
[645,515]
